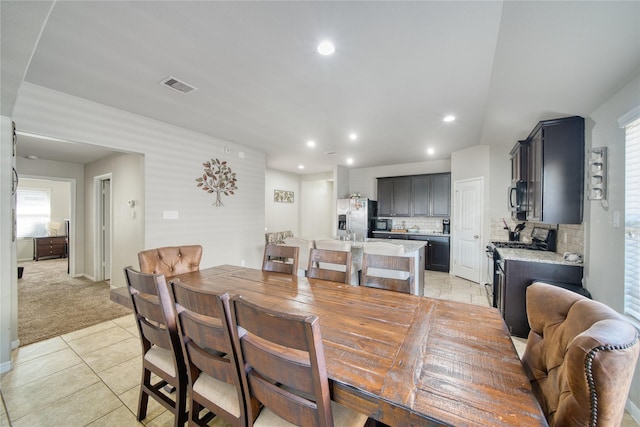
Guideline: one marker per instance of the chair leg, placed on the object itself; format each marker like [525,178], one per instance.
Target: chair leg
[143,400]
[181,408]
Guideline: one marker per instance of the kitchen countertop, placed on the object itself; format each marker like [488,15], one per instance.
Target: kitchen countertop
[534,256]
[410,233]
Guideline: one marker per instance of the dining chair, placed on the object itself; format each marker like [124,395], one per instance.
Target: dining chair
[204,323]
[304,247]
[161,352]
[170,260]
[329,265]
[280,259]
[284,369]
[394,273]
[580,357]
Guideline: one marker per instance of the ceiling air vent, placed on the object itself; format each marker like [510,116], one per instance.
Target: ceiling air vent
[175,84]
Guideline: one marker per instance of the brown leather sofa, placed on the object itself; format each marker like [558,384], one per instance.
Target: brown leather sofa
[580,357]
[170,260]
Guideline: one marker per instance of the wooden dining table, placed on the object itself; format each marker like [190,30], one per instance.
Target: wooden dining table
[402,359]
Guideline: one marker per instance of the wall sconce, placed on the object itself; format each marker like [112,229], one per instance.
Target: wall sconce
[597,174]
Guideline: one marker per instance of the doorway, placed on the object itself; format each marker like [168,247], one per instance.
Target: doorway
[468,210]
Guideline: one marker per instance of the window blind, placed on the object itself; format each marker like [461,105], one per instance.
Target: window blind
[33,211]
[632,220]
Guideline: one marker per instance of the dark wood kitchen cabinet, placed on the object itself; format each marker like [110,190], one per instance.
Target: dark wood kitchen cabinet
[431,195]
[555,171]
[513,278]
[437,257]
[394,196]
[49,247]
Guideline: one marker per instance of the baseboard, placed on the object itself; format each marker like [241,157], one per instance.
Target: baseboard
[633,411]
[86,276]
[15,344]
[6,367]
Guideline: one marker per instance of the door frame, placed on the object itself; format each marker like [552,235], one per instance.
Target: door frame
[455,234]
[98,244]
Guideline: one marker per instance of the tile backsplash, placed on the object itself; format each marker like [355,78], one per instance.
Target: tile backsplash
[425,224]
[574,234]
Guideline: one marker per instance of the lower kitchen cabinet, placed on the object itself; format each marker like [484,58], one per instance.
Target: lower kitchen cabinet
[512,277]
[438,254]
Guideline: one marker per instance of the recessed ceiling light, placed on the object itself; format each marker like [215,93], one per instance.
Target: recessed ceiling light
[326,48]
[311,143]
[430,151]
[300,166]
[449,118]
[349,161]
[353,136]
[32,157]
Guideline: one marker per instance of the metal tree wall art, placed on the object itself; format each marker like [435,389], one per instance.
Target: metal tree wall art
[217,178]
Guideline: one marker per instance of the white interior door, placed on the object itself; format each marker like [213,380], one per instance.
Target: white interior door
[102,245]
[467,228]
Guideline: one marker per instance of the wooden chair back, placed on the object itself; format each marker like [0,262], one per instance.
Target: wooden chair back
[170,260]
[161,350]
[304,247]
[323,263]
[280,259]
[284,364]
[204,326]
[395,273]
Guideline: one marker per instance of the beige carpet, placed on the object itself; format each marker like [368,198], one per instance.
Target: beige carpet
[51,303]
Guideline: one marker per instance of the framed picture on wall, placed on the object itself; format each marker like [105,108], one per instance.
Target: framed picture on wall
[283,196]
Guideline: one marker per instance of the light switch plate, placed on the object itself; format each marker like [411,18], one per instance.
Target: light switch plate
[170,215]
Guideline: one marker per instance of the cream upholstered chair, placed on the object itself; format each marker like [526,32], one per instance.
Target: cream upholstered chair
[161,351]
[285,372]
[304,247]
[280,259]
[215,383]
[580,357]
[170,260]
[338,245]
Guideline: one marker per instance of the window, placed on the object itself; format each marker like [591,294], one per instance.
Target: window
[33,212]
[632,220]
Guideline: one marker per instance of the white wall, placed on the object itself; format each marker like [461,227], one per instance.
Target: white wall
[8,272]
[282,216]
[317,210]
[363,180]
[229,234]
[127,232]
[604,255]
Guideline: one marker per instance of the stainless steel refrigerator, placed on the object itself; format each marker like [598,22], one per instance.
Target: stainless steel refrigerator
[356,216]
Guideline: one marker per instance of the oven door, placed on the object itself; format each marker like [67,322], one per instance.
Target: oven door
[488,284]
[499,286]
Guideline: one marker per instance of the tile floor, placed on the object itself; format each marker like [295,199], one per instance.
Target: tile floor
[91,377]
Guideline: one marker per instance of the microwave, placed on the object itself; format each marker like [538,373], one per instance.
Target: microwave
[382,224]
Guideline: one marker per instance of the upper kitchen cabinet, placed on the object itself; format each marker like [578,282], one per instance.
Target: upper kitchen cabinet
[394,196]
[431,195]
[555,171]
[518,189]
[416,195]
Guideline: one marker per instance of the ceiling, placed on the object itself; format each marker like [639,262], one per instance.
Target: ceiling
[398,69]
